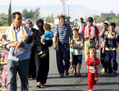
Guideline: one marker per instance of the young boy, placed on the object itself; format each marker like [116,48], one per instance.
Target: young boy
[47,36]
[77,54]
[92,63]
[111,41]
[103,55]
[75,31]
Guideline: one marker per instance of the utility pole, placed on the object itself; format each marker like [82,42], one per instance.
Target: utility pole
[44,11]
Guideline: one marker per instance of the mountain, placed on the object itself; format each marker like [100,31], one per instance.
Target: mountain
[75,11]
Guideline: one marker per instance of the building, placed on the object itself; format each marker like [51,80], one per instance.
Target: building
[108,14]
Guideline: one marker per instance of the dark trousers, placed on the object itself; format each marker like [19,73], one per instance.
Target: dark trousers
[22,68]
[111,55]
[63,52]
[103,60]
[42,67]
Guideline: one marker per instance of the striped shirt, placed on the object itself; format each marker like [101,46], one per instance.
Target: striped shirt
[111,41]
[63,32]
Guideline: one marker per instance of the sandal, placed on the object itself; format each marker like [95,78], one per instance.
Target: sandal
[103,71]
[39,86]
[72,71]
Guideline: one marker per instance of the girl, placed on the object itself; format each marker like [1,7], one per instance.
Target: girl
[92,63]
[75,31]
[4,73]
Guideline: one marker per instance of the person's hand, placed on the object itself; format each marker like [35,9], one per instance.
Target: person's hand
[14,44]
[43,41]
[55,46]
[94,63]
[97,46]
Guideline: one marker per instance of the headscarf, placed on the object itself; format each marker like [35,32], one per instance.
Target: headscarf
[40,27]
[27,21]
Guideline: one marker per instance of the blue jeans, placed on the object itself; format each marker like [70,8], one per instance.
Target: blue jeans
[111,55]
[63,52]
[22,68]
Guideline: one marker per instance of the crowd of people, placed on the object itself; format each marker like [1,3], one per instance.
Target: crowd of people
[27,51]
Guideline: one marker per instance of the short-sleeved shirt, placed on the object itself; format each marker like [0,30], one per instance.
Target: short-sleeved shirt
[63,33]
[111,41]
[78,44]
[90,31]
[48,35]
[81,26]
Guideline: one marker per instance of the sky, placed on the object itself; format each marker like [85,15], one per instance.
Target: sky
[100,5]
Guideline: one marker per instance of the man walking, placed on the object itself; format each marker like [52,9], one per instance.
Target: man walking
[18,63]
[90,33]
[61,45]
[81,25]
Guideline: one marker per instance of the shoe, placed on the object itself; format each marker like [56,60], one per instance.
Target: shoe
[67,73]
[62,75]
[109,75]
[72,71]
[114,73]
[38,85]
[42,85]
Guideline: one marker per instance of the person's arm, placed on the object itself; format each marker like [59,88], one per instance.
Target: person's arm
[55,41]
[80,48]
[89,62]
[55,37]
[97,39]
[2,61]
[97,62]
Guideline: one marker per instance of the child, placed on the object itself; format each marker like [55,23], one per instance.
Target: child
[103,55]
[77,54]
[26,39]
[92,63]
[111,41]
[13,50]
[4,77]
[47,36]
[75,31]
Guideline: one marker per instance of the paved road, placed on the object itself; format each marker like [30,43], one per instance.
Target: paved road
[71,83]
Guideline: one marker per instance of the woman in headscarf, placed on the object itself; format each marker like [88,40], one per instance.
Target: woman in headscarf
[42,63]
[32,68]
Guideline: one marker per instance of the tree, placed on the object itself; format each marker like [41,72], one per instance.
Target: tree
[9,20]
[25,13]
[30,14]
[36,13]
